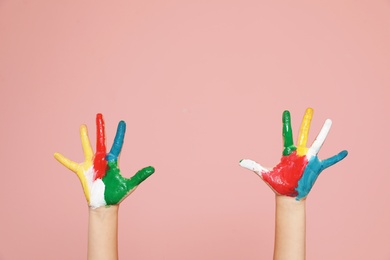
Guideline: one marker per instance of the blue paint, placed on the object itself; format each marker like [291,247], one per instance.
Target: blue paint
[118,142]
[334,159]
[313,170]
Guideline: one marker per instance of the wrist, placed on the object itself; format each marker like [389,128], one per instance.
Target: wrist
[290,202]
[104,211]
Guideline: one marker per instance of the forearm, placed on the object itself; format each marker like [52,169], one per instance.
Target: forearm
[290,229]
[103,233]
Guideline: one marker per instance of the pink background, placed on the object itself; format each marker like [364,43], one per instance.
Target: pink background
[201,85]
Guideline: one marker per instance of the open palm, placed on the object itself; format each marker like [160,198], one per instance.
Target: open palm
[299,166]
[99,174]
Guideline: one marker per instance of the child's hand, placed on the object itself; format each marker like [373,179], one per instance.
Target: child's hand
[299,167]
[99,174]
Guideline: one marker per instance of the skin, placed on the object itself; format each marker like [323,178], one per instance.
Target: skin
[291,180]
[290,229]
[103,233]
[101,178]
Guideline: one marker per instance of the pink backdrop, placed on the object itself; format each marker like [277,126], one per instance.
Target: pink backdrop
[201,85]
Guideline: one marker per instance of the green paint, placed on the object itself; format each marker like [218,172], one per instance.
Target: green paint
[289,146]
[118,187]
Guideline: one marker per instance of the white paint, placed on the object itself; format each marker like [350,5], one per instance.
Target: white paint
[96,189]
[89,176]
[317,144]
[253,166]
[97,194]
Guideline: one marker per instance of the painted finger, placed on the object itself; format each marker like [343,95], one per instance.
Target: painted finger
[287,134]
[139,177]
[87,148]
[100,162]
[304,132]
[334,159]
[100,135]
[118,142]
[71,165]
[317,144]
[253,166]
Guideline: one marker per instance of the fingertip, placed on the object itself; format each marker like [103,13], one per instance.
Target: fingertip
[99,120]
[328,122]
[150,170]
[59,157]
[122,126]
[309,111]
[251,165]
[242,162]
[286,116]
[83,128]
[308,115]
[343,154]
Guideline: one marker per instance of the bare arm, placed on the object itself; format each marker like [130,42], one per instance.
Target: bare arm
[290,229]
[103,233]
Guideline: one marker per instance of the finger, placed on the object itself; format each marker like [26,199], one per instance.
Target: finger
[139,177]
[304,132]
[88,153]
[316,146]
[287,134]
[253,166]
[71,165]
[118,142]
[100,162]
[100,135]
[334,159]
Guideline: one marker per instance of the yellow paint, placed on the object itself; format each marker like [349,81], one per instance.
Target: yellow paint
[304,132]
[80,168]
[87,148]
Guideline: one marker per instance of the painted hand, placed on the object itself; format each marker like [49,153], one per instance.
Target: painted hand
[99,173]
[299,167]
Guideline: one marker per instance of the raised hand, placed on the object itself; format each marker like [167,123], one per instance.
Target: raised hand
[99,173]
[299,167]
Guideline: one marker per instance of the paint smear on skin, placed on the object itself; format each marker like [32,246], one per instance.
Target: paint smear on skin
[310,175]
[97,194]
[304,132]
[118,187]
[100,165]
[100,162]
[96,188]
[89,174]
[284,177]
[313,170]
[253,166]
[287,134]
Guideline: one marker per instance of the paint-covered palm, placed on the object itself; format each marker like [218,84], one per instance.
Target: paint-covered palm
[299,167]
[99,173]
[118,187]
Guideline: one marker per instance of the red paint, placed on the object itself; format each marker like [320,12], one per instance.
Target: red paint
[284,177]
[100,162]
